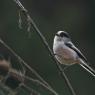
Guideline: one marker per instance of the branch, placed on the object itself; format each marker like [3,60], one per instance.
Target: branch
[31,69]
[32,91]
[63,75]
[38,83]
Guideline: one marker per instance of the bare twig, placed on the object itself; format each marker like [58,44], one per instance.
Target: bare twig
[46,45]
[32,91]
[30,68]
[38,83]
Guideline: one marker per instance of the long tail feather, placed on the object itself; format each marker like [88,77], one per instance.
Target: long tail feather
[88,68]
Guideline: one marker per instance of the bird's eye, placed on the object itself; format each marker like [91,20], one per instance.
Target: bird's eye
[63,34]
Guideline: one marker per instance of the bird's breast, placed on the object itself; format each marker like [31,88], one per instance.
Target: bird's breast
[64,54]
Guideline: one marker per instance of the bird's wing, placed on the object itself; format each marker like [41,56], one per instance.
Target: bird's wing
[71,45]
[84,60]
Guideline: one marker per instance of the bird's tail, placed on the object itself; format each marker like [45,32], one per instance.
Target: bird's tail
[88,68]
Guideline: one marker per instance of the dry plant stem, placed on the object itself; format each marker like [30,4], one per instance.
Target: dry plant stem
[32,91]
[46,45]
[37,82]
[63,75]
[31,69]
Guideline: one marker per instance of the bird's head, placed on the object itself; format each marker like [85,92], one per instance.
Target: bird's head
[62,36]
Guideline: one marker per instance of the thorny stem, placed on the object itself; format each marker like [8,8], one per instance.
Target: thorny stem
[30,68]
[63,75]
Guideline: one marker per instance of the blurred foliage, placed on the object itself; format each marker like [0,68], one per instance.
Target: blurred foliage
[76,17]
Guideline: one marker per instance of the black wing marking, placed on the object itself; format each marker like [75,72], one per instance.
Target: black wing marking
[70,45]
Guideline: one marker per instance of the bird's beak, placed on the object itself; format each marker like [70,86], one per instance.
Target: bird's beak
[57,35]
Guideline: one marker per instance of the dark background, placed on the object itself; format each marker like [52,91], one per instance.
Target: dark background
[74,16]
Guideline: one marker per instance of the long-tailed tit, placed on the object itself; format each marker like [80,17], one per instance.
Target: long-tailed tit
[66,53]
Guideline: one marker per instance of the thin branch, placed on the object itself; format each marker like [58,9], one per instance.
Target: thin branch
[63,75]
[38,83]
[32,91]
[15,91]
[30,68]
[47,46]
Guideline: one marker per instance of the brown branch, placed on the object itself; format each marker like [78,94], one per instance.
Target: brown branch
[63,75]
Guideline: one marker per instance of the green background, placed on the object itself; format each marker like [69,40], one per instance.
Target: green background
[74,16]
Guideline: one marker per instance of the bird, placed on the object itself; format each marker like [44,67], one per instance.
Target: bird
[68,54]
